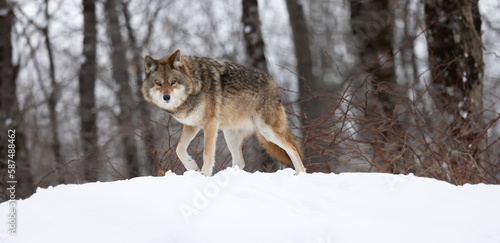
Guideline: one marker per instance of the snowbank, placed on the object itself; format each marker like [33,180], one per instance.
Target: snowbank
[236,206]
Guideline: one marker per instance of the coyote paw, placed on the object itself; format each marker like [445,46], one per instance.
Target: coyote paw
[191,164]
[298,172]
[206,171]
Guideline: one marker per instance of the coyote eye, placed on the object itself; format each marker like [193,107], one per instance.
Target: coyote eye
[173,82]
[158,83]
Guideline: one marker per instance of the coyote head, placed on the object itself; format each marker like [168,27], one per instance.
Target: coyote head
[166,84]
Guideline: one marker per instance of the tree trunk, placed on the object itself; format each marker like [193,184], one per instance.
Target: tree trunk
[304,58]
[408,57]
[372,26]
[87,109]
[256,57]
[144,114]
[310,106]
[10,116]
[53,96]
[456,61]
[374,19]
[126,119]
[324,23]
[253,36]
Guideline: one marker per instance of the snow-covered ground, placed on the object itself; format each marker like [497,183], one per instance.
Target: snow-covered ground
[236,206]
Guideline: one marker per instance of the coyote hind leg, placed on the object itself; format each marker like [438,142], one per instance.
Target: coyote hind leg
[234,140]
[281,136]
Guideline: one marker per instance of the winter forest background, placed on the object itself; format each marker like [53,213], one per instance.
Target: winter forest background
[395,86]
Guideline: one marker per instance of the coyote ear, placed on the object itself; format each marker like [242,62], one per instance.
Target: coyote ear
[150,65]
[175,60]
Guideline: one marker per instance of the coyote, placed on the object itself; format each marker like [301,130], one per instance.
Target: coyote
[203,93]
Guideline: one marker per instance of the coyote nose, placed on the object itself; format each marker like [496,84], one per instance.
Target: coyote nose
[166,97]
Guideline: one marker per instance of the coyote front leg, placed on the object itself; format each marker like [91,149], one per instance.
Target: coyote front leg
[188,133]
[210,137]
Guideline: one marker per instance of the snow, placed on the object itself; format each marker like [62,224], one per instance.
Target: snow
[236,206]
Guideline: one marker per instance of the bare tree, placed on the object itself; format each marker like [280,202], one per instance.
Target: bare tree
[54,94]
[409,59]
[372,26]
[371,22]
[456,60]
[310,106]
[87,77]
[143,108]
[10,115]
[126,118]
[326,38]
[253,35]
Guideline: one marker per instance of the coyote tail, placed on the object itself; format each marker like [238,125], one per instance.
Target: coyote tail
[277,152]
